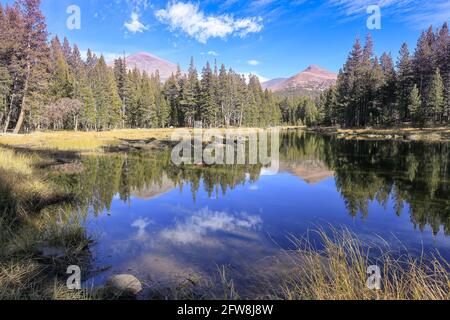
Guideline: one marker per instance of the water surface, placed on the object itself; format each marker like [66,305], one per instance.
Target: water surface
[163,223]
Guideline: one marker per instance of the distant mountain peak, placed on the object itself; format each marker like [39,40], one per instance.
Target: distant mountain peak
[314,67]
[150,63]
[311,80]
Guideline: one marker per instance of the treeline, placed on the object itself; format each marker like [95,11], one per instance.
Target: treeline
[47,85]
[373,91]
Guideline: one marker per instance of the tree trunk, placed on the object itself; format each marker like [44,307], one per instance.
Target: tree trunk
[25,89]
[21,119]
[7,120]
[8,117]
[22,105]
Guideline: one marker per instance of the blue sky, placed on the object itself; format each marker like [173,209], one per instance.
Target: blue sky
[271,38]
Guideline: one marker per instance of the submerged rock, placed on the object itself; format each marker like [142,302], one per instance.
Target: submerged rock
[123,285]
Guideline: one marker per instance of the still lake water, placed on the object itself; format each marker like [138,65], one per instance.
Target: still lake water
[162,223]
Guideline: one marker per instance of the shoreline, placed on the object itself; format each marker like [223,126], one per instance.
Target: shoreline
[441,134]
[94,141]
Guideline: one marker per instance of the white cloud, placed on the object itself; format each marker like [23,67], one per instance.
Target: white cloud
[253,62]
[191,20]
[135,25]
[260,77]
[210,53]
[419,12]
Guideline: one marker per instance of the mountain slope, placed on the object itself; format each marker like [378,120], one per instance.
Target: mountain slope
[272,83]
[149,63]
[313,79]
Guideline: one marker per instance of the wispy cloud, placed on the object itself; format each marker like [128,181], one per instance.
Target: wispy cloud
[188,18]
[421,13]
[262,3]
[135,25]
[432,13]
[210,53]
[136,4]
[253,62]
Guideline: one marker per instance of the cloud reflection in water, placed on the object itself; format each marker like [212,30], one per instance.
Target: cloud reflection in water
[195,228]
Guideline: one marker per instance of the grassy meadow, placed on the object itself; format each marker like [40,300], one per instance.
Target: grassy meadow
[86,141]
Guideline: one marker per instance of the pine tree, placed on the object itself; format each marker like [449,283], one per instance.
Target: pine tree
[189,96]
[61,85]
[443,63]
[388,90]
[11,32]
[415,106]
[254,87]
[424,62]
[172,94]
[404,82]
[120,75]
[239,103]
[66,49]
[331,111]
[251,116]
[5,77]
[107,100]
[33,42]
[376,112]
[82,90]
[225,95]
[349,88]
[435,99]
[91,62]
[309,113]
[134,103]
[147,105]
[162,107]
[207,98]
[5,87]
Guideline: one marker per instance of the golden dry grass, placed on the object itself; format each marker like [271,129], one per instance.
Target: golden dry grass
[25,224]
[20,188]
[86,141]
[25,279]
[79,141]
[339,272]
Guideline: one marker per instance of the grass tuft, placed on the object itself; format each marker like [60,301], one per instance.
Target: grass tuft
[338,271]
